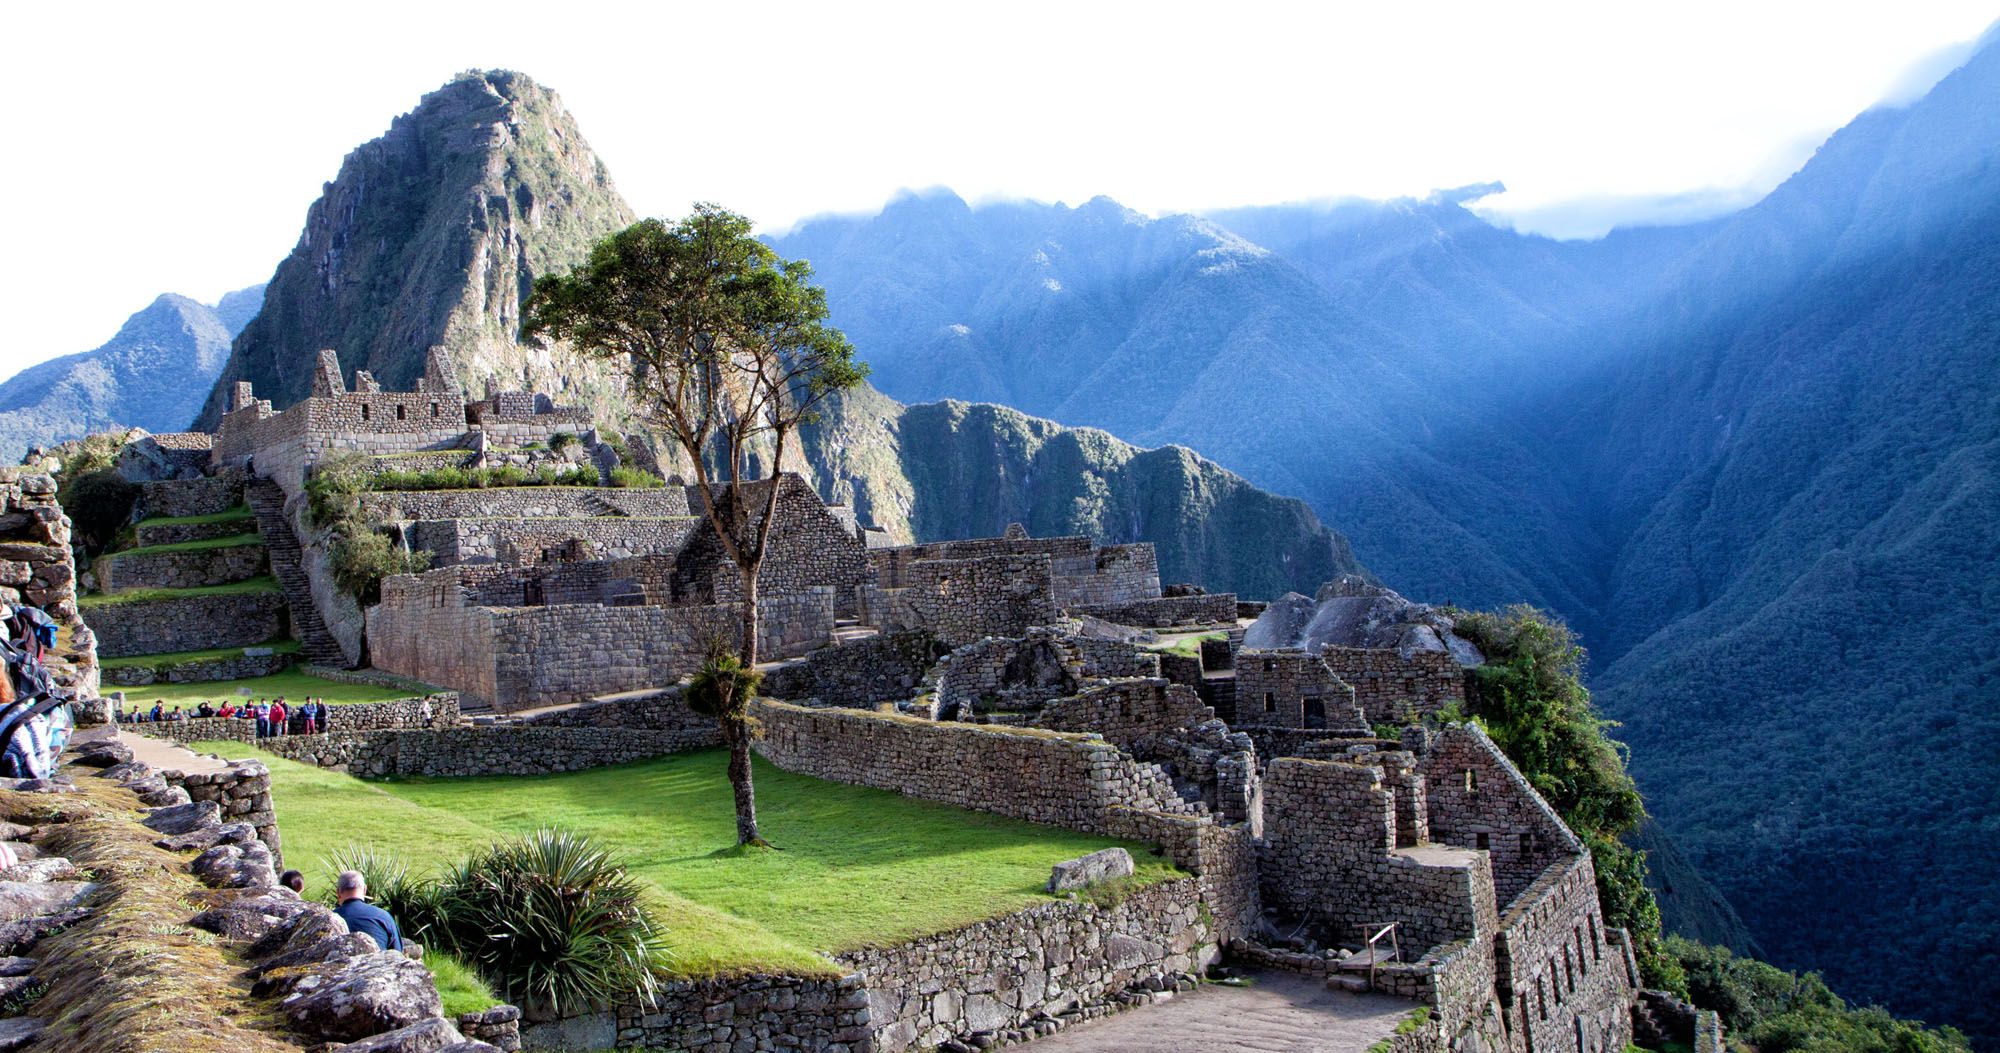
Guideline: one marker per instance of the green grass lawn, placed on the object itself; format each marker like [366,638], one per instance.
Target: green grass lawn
[247,587]
[291,683]
[856,866]
[1188,646]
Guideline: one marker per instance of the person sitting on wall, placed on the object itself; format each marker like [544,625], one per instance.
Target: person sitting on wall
[363,916]
[293,880]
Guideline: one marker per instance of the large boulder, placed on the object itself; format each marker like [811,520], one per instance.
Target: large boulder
[355,998]
[45,869]
[1084,871]
[250,917]
[20,900]
[208,837]
[425,1036]
[18,936]
[100,753]
[19,1032]
[248,865]
[313,923]
[1353,612]
[184,818]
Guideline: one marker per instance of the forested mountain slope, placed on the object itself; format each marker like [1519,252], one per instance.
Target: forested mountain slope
[153,374]
[1753,460]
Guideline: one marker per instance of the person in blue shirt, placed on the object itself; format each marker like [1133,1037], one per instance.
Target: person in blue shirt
[363,916]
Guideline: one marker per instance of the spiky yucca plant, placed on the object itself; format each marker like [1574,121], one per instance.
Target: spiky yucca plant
[553,921]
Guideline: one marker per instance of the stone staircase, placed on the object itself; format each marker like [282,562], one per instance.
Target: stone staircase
[267,501]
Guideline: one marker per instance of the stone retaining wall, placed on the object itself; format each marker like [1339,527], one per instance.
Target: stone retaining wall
[151,534]
[1040,776]
[748,1014]
[401,713]
[656,711]
[180,498]
[1003,972]
[1167,612]
[520,541]
[243,791]
[199,670]
[963,600]
[186,623]
[1129,714]
[498,749]
[1111,574]
[180,568]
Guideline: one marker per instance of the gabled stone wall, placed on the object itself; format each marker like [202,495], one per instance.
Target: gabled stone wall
[1279,688]
[1563,984]
[1478,799]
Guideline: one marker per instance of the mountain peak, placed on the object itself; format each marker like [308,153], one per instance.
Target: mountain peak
[432,236]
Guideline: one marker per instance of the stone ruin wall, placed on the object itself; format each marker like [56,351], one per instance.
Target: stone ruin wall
[427,629]
[886,667]
[1167,612]
[1043,960]
[527,502]
[37,568]
[1129,714]
[1566,986]
[522,541]
[1330,856]
[182,568]
[1477,799]
[1272,688]
[1111,574]
[1392,688]
[810,547]
[964,600]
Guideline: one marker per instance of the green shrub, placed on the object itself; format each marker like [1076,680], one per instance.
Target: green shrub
[99,504]
[635,478]
[333,494]
[552,921]
[1783,1012]
[562,440]
[363,558]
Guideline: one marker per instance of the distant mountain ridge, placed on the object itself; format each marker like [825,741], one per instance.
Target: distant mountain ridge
[153,374]
[1755,460]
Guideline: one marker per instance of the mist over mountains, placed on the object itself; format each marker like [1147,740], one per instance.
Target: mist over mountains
[1753,460]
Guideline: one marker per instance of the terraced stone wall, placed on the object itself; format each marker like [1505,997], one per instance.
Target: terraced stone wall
[180,568]
[1166,612]
[887,667]
[186,623]
[177,498]
[1002,973]
[518,541]
[498,749]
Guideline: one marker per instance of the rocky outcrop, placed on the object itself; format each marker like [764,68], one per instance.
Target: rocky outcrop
[1354,612]
[431,236]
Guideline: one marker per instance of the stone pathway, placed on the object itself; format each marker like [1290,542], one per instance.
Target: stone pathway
[1278,1012]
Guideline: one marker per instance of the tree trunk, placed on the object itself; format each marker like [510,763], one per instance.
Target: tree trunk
[737,735]
[747,649]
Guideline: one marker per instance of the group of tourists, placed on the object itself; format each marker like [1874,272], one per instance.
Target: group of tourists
[275,719]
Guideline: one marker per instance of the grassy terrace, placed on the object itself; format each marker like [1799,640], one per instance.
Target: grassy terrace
[291,683]
[247,587]
[233,541]
[177,657]
[858,867]
[241,513]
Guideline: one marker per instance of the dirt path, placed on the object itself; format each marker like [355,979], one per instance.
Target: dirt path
[1279,1013]
[159,753]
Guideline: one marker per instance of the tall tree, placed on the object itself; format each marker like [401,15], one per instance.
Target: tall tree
[726,349]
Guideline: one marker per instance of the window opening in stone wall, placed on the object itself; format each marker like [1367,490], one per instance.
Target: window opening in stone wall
[1596,945]
[1270,664]
[1542,997]
[1555,980]
[364,411]
[434,409]
[1569,972]
[1481,840]
[1471,781]
[1270,702]
[1582,959]
[1528,843]
[1315,715]
[399,412]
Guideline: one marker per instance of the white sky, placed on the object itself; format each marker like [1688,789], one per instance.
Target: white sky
[174,147]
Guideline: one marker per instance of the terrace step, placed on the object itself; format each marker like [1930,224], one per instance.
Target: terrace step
[267,501]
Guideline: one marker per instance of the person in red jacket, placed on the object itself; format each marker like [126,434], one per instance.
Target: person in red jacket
[278,717]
